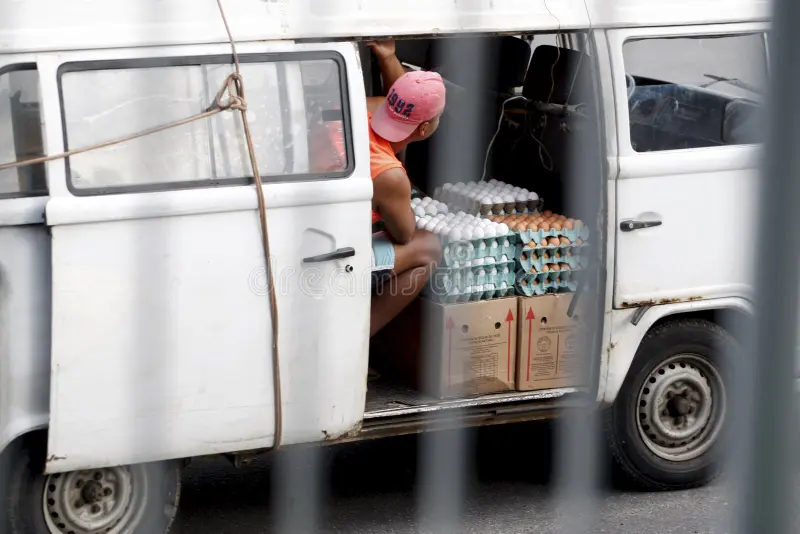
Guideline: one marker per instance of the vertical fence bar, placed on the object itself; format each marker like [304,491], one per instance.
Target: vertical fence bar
[767,493]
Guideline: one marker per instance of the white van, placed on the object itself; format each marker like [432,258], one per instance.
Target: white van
[134,326]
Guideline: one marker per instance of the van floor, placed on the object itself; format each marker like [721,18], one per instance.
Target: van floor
[390,399]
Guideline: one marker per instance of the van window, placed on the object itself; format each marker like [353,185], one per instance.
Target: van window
[695,92]
[296,110]
[20,131]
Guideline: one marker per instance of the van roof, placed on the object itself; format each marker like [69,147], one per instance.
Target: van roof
[45,25]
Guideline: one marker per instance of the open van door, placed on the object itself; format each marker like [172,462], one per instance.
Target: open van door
[161,320]
[24,254]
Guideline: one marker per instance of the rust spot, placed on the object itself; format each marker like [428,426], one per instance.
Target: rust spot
[54,458]
[611,346]
[325,435]
[695,298]
[638,304]
[669,301]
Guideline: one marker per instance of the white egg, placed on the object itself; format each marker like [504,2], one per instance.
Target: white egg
[478,261]
[521,197]
[467,233]
[488,287]
[450,216]
[516,189]
[425,201]
[455,234]
[497,200]
[509,198]
[502,229]
[415,201]
[443,208]
[533,196]
[489,260]
[468,289]
[477,232]
[481,248]
[506,243]
[492,181]
[430,209]
[493,271]
[486,200]
[455,265]
[493,244]
[440,216]
[454,291]
[479,288]
[524,191]
[458,185]
[421,223]
[419,211]
[506,271]
[439,228]
[503,285]
[489,231]
[431,226]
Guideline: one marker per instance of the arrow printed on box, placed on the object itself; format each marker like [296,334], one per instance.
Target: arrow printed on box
[449,325]
[529,317]
[509,319]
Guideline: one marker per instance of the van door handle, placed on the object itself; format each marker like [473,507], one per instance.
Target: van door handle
[630,226]
[345,252]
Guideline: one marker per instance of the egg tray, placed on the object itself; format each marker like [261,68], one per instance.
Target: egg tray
[538,235]
[468,276]
[542,283]
[528,257]
[455,253]
[470,297]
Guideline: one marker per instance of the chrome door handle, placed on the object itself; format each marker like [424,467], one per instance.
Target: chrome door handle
[630,226]
[345,252]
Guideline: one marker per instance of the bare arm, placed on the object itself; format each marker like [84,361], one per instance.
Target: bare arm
[392,199]
[391,68]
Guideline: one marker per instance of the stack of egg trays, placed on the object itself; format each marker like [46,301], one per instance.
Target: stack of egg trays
[462,261]
[449,284]
[539,283]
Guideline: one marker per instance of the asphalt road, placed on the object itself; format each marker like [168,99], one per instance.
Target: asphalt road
[373,487]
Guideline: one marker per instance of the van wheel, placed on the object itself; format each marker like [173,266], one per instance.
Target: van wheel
[664,429]
[114,500]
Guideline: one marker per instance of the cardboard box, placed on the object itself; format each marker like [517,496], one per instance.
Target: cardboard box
[549,351]
[453,350]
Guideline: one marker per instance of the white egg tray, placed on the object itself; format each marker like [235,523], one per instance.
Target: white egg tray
[477,252]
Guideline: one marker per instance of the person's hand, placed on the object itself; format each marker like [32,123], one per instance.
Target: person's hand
[382,49]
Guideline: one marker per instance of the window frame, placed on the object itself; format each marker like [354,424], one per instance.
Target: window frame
[619,37]
[212,59]
[17,67]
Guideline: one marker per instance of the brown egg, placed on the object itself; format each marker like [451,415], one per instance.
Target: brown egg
[518,226]
[547,213]
[543,243]
[531,227]
[565,267]
[524,257]
[558,254]
[565,241]
[524,283]
[578,224]
[554,241]
[533,269]
[544,226]
[546,255]
[556,226]
[555,267]
[569,224]
[545,268]
[569,253]
[531,244]
[562,218]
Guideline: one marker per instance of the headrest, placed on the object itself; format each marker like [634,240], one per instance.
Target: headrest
[554,67]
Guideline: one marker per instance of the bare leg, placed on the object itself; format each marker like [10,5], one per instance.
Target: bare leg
[414,263]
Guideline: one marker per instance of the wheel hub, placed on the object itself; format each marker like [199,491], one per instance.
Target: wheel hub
[680,407]
[94,502]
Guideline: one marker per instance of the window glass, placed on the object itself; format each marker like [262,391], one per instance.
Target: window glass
[295,120]
[694,92]
[20,133]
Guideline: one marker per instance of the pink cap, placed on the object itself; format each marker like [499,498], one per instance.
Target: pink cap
[416,97]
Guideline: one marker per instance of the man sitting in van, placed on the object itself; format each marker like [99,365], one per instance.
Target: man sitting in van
[403,257]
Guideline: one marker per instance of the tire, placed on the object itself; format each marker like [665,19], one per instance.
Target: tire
[151,491]
[659,435]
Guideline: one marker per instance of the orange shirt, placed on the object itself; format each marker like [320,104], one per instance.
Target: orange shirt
[381,159]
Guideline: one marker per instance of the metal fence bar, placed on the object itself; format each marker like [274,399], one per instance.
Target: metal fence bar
[767,491]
